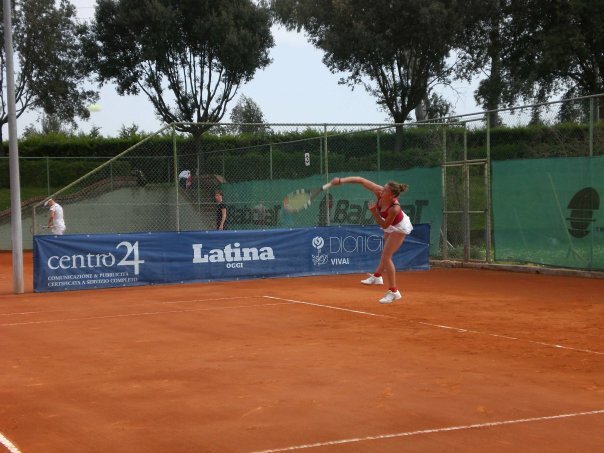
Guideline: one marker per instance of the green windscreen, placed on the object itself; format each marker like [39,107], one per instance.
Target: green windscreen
[549,211]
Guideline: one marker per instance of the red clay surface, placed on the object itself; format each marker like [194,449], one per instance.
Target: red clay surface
[470,360]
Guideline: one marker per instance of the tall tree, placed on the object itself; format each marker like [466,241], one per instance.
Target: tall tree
[397,50]
[479,53]
[189,57]
[556,46]
[49,69]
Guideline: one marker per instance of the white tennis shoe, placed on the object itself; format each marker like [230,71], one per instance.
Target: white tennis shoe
[390,297]
[373,280]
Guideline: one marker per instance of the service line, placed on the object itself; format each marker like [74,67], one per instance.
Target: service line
[431,431]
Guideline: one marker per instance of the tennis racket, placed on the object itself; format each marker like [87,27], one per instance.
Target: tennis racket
[302,198]
[34,228]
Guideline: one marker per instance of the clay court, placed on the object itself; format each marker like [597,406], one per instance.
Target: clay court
[470,360]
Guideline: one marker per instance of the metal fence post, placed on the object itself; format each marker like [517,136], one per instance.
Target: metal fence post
[320,155]
[466,201]
[379,150]
[47,176]
[489,202]
[443,173]
[270,156]
[591,126]
[326,154]
[176,177]
[327,177]
[198,183]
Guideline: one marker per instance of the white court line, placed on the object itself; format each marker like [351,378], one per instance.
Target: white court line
[440,326]
[431,431]
[549,345]
[23,313]
[332,307]
[125,315]
[206,300]
[8,444]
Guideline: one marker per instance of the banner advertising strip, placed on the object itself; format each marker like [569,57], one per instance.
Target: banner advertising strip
[83,261]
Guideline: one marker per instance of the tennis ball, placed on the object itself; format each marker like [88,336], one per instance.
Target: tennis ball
[94,108]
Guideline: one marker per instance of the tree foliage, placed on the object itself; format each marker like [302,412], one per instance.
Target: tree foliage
[49,69]
[533,49]
[248,117]
[188,57]
[555,46]
[396,50]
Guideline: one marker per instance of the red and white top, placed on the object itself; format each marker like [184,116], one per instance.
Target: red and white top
[384,213]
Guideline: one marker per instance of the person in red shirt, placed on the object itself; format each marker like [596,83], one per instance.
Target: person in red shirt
[396,226]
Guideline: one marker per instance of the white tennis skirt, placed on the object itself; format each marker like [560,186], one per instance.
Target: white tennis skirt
[404,226]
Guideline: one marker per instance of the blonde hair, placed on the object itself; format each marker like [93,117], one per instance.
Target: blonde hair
[397,188]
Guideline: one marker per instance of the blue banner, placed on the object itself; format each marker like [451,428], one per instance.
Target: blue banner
[82,261]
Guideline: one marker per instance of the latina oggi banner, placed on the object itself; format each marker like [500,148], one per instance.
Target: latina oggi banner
[81,261]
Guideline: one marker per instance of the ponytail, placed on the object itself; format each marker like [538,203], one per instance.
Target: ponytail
[397,188]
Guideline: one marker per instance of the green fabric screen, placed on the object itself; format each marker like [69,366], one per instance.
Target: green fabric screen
[422,202]
[549,211]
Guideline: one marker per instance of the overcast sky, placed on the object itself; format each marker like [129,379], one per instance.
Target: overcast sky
[296,88]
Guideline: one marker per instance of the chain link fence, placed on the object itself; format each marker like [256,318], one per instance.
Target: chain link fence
[468,175]
[168,182]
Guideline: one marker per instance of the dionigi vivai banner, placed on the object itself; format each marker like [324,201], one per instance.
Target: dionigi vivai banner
[81,261]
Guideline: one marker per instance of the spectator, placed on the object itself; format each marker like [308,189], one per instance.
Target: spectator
[221,211]
[140,177]
[56,222]
[184,179]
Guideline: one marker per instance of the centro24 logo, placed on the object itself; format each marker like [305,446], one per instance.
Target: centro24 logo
[99,260]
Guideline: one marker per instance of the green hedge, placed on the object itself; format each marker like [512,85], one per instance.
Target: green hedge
[33,173]
[248,154]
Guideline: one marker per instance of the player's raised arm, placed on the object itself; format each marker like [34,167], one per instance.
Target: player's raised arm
[369,185]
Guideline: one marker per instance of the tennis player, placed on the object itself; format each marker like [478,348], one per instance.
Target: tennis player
[396,226]
[56,222]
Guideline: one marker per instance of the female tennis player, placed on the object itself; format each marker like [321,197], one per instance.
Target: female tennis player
[396,225]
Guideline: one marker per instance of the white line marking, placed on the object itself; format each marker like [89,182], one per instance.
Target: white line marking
[431,431]
[549,345]
[53,321]
[207,300]
[441,326]
[23,313]
[8,444]
[332,307]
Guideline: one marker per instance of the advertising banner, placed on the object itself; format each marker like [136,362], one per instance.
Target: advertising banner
[74,262]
